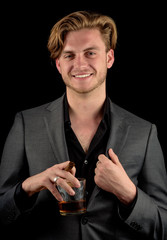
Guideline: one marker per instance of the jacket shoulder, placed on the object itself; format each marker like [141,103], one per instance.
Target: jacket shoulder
[43,109]
[129,116]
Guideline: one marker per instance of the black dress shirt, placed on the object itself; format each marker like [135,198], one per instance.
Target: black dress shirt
[86,162]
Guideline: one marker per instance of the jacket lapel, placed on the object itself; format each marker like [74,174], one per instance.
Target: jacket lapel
[119,130]
[54,122]
[118,135]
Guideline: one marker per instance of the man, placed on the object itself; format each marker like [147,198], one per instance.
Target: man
[117,152]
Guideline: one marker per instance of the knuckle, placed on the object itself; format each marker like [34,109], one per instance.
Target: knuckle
[67,174]
[60,181]
[97,180]
[108,164]
[48,171]
[44,179]
[100,157]
[53,191]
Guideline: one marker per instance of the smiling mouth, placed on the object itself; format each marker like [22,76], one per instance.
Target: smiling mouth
[83,75]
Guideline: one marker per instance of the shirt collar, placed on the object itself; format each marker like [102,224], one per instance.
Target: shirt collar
[106,114]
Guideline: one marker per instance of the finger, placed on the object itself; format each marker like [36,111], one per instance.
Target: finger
[102,158]
[97,163]
[62,165]
[96,172]
[52,188]
[72,179]
[66,186]
[58,171]
[68,177]
[113,156]
[73,171]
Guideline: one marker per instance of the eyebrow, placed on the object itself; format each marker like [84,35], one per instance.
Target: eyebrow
[91,48]
[85,50]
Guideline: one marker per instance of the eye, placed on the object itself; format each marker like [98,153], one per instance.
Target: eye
[69,56]
[90,54]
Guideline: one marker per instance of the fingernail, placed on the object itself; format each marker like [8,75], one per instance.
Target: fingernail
[110,149]
[72,193]
[78,184]
[60,199]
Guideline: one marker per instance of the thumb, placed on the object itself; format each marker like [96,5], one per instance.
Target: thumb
[73,171]
[113,157]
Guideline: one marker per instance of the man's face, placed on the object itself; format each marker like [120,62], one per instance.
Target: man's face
[84,61]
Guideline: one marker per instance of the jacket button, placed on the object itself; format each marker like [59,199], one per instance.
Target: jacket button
[84,220]
[136,226]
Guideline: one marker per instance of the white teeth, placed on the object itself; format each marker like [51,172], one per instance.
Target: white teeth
[83,76]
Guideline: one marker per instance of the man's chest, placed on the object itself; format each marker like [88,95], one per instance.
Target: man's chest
[85,135]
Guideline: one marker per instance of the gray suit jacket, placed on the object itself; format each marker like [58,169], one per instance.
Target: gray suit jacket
[37,141]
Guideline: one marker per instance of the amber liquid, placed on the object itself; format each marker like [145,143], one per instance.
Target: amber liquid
[72,208]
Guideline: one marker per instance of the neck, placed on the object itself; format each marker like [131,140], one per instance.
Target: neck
[86,107]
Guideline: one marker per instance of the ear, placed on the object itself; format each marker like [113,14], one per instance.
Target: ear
[57,62]
[110,58]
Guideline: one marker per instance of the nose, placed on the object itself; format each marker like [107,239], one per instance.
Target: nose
[80,62]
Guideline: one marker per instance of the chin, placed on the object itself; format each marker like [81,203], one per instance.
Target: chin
[83,90]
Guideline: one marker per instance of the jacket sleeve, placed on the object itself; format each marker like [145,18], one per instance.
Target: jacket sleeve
[13,170]
[149,215]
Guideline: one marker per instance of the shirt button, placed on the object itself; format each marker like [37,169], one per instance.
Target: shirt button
[86,161]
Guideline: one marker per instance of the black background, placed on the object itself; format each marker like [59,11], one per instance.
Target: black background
[136,82]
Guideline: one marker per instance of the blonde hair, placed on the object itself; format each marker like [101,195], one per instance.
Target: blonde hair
[77,21]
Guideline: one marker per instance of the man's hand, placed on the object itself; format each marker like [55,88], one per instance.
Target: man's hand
[111,177]
[45,180]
